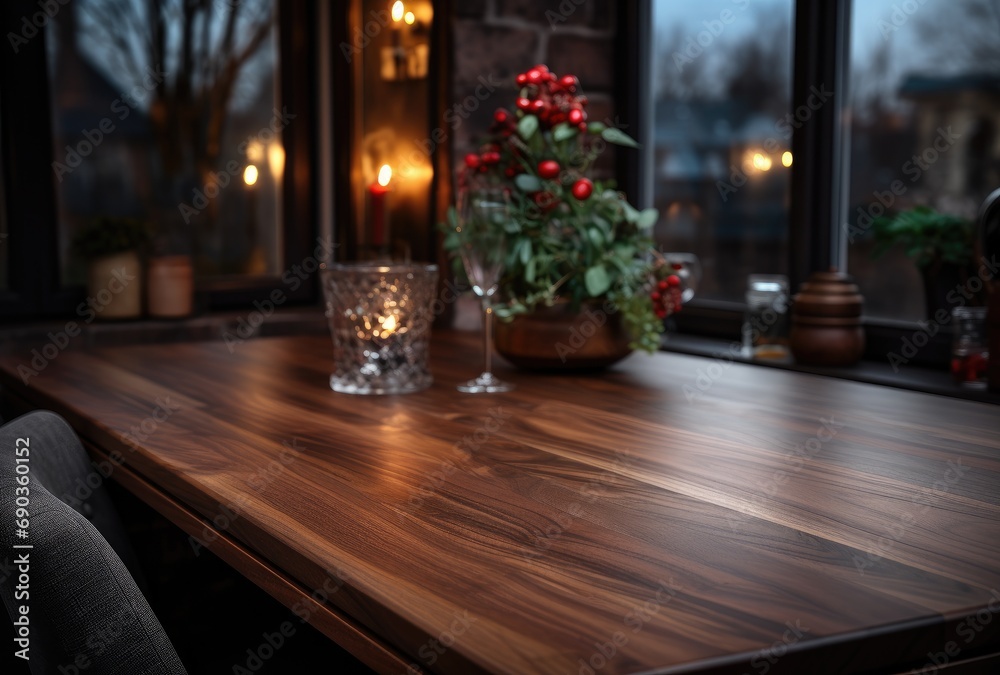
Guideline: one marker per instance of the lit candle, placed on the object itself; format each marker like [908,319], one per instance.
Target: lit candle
[379,193]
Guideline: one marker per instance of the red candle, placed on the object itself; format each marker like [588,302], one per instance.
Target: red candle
[379,194]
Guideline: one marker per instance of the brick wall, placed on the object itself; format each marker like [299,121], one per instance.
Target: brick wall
[494,40]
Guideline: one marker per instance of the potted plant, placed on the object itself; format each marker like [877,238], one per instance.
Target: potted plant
[940,244]
[111,247]
[583,283]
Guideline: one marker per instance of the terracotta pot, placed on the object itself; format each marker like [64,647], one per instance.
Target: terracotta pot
[557,338]
[170,286]
[826,321]
[114,286]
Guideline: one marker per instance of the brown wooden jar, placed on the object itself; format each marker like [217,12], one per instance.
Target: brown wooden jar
[826,321]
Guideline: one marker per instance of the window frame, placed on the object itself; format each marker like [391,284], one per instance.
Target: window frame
[817,240]
[35,289]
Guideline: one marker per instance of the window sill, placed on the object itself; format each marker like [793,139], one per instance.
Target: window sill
[310,320]
[912,377]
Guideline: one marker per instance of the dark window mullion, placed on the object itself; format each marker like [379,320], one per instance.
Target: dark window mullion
[821,33]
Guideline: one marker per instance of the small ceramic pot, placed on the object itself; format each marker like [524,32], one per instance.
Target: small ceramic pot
[114,286]
[170,286]
[826,321]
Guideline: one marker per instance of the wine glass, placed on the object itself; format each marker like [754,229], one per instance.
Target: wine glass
[483,215]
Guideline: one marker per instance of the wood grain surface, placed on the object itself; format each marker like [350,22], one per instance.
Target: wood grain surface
[674,514]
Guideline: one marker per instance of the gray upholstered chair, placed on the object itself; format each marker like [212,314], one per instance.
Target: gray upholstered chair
[85,610]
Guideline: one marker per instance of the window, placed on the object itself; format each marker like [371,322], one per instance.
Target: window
[722,143]
[192,178]
[925,131]
[172,118]
[914,122]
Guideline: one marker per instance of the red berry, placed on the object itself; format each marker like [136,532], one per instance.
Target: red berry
[545,200]
[568,82]
[582,189]
[538,106]
[472,160]
[576,116]
[542,68]
[673,280]
[523,103]
[662,285]
[582,101]
[548,169]
[491,157]
[510,172]
[535,76]
[501,116]
[583,127]
[655,296]
[661,313]
[521,79]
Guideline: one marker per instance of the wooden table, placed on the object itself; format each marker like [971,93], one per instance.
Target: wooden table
[674,514]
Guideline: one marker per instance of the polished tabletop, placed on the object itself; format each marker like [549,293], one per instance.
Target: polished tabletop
[671,514]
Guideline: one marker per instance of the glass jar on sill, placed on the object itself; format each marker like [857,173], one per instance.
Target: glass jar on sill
[765,324]
[969,351]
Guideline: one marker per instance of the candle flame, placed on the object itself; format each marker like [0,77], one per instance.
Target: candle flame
[250,174]
[389,325]
[409,18]
[384,175]
[397,10]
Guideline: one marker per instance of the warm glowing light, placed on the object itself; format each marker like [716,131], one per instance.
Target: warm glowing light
[389,325]
[250,174]
[761,162]
[255,151]
[786,159]
[276,160]
[409,18]
[384,175]
[397,10]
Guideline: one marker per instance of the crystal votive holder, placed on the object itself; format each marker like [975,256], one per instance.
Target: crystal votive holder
[380,317]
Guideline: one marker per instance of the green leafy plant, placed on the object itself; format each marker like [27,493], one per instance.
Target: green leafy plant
[106,236]
[570,239]
[927,236]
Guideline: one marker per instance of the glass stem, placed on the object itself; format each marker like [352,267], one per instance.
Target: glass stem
[487,334]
